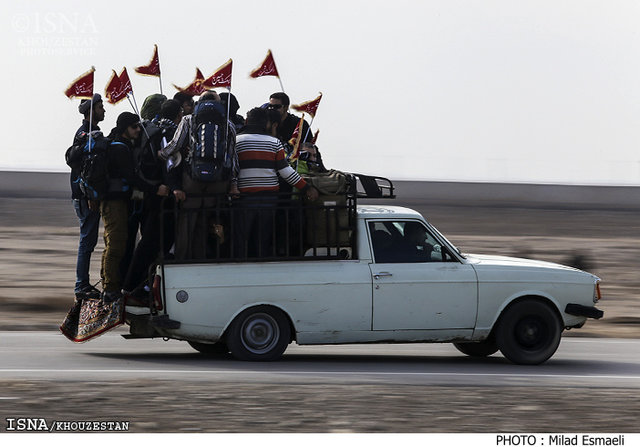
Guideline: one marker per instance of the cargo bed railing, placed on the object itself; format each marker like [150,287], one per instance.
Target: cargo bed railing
[372,187]
[261,227]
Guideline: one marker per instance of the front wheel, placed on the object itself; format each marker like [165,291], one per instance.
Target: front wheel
[261,333]
[528,332]
[477,349]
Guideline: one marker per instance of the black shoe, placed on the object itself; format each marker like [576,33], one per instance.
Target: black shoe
[110,297]
[87,292]
[137,297]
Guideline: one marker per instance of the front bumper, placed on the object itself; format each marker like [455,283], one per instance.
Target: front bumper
[583,311]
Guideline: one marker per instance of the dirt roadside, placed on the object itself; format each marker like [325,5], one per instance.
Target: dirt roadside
[196,407]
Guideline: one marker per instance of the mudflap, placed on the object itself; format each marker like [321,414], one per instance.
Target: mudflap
[148,326]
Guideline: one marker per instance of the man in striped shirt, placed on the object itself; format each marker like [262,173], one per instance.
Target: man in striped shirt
[261,159]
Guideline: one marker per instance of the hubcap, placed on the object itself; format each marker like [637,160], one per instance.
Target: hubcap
[260,333]
[531,332]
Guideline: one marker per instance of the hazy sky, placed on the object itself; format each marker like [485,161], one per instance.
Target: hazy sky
[497,90]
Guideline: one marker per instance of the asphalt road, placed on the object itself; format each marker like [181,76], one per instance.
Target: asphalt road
[590,385]
[583,362]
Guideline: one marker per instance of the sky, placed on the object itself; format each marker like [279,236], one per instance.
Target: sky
[529,91]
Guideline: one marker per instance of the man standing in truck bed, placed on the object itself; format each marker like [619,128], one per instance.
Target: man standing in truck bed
[262,159]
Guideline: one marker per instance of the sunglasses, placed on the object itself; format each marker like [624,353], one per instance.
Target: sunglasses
[275,106]
[135,126]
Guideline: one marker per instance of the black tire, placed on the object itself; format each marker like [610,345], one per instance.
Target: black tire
[528,332]
[213,349]
[477,349]
[261,333]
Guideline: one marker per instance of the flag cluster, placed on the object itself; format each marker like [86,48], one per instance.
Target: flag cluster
[119,86]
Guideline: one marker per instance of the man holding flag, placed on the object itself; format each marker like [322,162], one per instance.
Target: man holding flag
[93,110]
[279,102]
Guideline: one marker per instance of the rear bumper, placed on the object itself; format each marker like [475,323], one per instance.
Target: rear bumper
[583,311]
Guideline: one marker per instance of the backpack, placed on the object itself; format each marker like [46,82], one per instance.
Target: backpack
[145,159]
[91,163]
[209,159]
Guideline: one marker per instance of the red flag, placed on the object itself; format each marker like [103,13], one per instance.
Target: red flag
[118,87]
[196,88]
[221,77]
[315,137]
[309,107]
[112,90]
[295,140]
[82,87]
[153,67]
[125,82]
[267,68]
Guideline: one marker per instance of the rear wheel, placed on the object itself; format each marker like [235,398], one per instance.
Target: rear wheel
[477,349]
[213,349]
[528,332]
[261,333]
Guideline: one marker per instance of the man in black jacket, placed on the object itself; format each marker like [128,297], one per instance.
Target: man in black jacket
[114,208]
[152,169]
[88,216]
[280,102]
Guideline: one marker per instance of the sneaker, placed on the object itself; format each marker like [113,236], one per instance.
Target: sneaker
[110,297]
[87,292]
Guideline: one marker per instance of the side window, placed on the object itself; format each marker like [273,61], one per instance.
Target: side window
[404,242]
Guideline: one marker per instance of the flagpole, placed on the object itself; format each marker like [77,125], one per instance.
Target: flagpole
[280,80]
[159,71]
[309,129]
[90,118]
[229,105]
[134,105]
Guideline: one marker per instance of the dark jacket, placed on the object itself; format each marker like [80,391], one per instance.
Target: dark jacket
[288,126]
[76,193]
[122,177]
[152,168]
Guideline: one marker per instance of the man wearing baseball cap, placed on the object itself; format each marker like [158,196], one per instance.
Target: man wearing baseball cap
[115,207]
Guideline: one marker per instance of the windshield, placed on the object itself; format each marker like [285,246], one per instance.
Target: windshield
[435,230]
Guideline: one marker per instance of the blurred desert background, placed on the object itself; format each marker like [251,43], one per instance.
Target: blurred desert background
[596,228]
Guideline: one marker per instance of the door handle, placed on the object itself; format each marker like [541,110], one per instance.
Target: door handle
[381,274]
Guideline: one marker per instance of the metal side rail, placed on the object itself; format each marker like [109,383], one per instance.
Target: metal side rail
[373,187]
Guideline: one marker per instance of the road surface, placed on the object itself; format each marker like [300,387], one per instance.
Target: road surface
[589,385]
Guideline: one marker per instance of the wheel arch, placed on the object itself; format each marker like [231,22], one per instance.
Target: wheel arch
[534,296]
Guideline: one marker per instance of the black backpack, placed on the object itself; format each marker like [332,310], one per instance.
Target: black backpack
[145,158]
[88,156]
[209,158]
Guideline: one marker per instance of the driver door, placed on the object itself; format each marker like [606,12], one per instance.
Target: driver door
[421,286]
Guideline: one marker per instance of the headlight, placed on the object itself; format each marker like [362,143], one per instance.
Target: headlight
[596,294]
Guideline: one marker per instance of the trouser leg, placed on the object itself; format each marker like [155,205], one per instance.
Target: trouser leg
[114,216]
[89,223]
[146,252]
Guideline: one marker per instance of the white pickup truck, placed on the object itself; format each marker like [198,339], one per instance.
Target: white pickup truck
[399,280]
